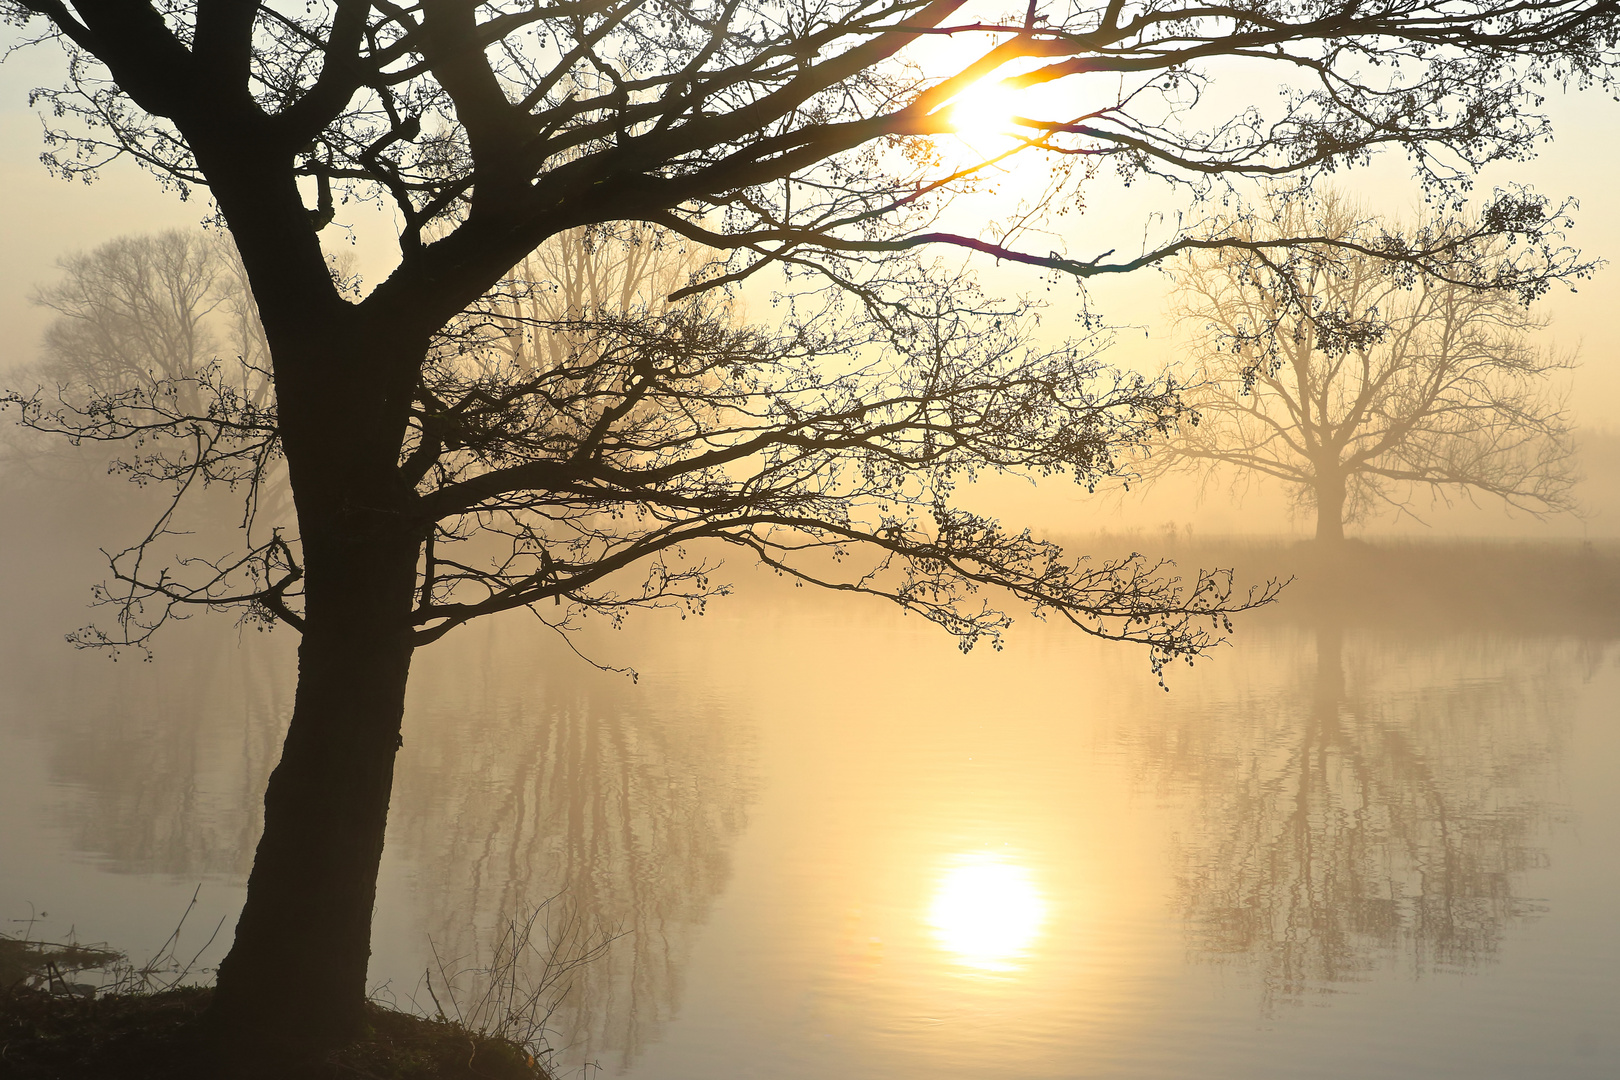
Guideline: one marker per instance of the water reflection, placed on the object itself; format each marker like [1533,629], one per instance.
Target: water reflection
[1380,809]
[520,779]
[623,801]
[166,762]
[949,866]
[986,913]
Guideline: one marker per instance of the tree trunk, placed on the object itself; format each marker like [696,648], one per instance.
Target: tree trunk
[1330,495]
[296,976]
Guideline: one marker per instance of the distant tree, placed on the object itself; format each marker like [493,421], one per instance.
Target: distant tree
[141,313]
[1358,384]
[144,311]
[620,271]
[794,136]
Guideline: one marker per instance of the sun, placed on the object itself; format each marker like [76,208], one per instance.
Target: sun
[983,113]
[987,912]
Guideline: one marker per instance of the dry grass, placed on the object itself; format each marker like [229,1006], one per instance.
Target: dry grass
[143,1022]
[513,993]
[161,1036]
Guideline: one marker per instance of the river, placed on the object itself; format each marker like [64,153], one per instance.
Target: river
[813,839]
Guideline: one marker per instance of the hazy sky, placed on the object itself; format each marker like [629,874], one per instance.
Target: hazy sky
[48,218]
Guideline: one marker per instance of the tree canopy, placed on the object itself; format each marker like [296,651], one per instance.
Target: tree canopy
[1358,385]
[792,134]
[563,438]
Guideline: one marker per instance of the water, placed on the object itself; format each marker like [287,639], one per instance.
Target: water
[831,845]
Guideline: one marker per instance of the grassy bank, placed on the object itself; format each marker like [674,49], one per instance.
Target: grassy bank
[160,1036]
[53,1027]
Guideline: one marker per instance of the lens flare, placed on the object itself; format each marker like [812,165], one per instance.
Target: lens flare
[986,912]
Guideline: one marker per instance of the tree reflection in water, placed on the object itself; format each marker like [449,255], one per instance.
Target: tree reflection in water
[165,762]
[1380,810]
[514,785]
[621,801]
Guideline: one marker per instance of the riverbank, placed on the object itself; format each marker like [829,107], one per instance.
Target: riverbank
[48,1035]
[1558,587]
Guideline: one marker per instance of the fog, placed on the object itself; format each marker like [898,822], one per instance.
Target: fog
[1372,830]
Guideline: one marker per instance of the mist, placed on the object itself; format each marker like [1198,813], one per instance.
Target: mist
[1156,734]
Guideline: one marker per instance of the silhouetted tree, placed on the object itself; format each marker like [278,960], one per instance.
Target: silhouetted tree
[1357,384]
[789,136]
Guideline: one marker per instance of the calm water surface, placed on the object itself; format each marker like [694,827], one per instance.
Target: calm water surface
[831,845]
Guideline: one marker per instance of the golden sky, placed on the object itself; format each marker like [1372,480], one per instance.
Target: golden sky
[50,217]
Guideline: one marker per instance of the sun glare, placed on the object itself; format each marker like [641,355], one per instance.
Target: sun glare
[984,112]
[986,912]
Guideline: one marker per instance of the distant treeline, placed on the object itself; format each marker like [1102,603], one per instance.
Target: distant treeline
[1554,586]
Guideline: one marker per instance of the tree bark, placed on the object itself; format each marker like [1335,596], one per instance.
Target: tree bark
[296,975]
[295,978]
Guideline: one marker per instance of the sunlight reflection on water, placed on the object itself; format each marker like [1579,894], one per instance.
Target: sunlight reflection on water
[986,912]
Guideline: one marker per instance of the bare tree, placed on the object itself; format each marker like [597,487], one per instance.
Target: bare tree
[149,310]
[1358,385]
[623,271]
[792,136]
[140,314]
